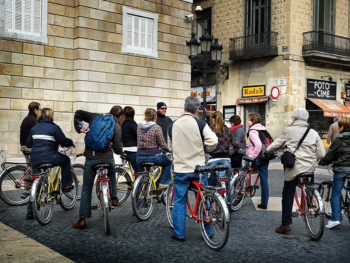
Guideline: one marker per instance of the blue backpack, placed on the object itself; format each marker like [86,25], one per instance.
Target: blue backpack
[100,133]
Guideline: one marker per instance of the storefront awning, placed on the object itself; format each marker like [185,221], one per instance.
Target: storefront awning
[331,108]
[252,100]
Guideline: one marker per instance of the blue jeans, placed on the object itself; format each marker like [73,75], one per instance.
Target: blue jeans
[131,157]
[338,184]
[213,180]
[160,160]
[181,183]
[88,183]
[262,165]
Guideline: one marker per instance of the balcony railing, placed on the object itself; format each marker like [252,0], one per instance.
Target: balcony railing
[327,43]
[253,46]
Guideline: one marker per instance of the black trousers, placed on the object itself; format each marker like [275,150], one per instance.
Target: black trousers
[287,201]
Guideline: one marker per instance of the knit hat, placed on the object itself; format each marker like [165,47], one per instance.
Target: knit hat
[160,104]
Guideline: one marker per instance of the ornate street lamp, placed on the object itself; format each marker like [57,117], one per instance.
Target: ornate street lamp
[205,56]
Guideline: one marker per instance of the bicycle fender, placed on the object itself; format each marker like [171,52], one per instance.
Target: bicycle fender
[320,201]
[105,193]
[33,191]
[137,181]
[227,214]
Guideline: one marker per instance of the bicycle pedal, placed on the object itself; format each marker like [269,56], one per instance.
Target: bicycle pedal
[256,186]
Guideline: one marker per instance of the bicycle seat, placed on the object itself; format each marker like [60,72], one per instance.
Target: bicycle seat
[148,164]
[46,165]
[123,156]
[101,165]
[306,175]
[248,159]
[203,169]
[220,168]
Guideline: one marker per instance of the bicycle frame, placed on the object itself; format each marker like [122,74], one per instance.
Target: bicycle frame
[20,182]
[199,198]
[53,183]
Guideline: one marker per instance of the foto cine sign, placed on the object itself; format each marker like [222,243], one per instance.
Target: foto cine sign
[253,91]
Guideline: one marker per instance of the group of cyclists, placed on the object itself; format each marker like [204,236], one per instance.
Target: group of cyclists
[188,139]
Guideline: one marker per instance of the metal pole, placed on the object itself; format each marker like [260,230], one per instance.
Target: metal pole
[204,95]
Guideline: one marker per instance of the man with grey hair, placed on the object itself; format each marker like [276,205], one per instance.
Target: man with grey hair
[188,140]
[333,131]
[306,158]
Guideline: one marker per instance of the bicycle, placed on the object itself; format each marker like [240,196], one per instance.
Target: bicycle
[310,205]
[210,209]
[326,197]
[125,179]
[46,188]
[103,192]
[242,186]
[146,190]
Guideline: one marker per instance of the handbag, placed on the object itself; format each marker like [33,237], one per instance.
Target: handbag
[288,158]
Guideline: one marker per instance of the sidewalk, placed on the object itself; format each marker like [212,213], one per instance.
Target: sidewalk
[16,247]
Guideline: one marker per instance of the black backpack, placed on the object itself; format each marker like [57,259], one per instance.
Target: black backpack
[266,140]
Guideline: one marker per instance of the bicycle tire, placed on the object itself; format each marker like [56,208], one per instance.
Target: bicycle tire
[314,216]
[142,201]
[124,185]
[79,172]
[347,204]
[169,203]
[106,207]
[67,200]
[237,196]
[217,212]
[10,190]
[326,198]
[42,205]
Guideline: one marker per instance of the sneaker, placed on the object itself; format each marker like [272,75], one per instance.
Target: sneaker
[67,188]
[332,224]
[30,215]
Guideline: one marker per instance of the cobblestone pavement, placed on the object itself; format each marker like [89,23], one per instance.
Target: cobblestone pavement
[252,235]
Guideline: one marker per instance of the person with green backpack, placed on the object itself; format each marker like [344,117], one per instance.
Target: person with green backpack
[103,137]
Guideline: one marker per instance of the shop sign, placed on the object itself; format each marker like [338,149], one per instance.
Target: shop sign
[253,91]
[347,91]
[198,93]
[321,89]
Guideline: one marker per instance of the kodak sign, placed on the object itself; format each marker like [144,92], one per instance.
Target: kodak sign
[253,91]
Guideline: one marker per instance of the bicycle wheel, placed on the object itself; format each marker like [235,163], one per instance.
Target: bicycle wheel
[142,199]
[79,172]
[216,231]
[124,184]
[43,203]
[238,195]
[325,190]
[169,203]
[106,207]
[13,189]
[67,200]
[347,204]
[313,213]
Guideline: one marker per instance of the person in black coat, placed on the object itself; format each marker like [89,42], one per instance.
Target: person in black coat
[162,120]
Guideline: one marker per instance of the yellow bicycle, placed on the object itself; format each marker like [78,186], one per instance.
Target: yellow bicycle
[47,188]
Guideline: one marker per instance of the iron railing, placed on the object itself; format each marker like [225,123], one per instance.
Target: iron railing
[325,42]
[253,46]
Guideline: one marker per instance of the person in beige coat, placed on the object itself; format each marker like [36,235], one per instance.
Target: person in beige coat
[333,131]
[306,159]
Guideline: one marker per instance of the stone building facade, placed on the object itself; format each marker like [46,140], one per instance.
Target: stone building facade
[87,56]
[266,43]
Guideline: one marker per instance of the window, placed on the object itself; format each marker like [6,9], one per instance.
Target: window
[140,31]
[324,16]
[204,22]
[25,19]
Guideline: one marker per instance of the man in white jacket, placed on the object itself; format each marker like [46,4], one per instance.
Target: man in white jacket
[188,140]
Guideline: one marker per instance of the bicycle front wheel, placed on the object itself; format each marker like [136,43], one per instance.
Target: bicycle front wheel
[124,185]
[325,190]
[238,195]
[79,172]
[142,199]
[106,207]
[169,203]
[214,220]
[43,202]
[313,212]
[14,190]
[68,199]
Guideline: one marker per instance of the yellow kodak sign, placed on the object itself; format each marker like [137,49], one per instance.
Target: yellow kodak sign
[253,91]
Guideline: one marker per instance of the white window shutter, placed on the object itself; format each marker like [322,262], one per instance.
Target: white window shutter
[18,15]
[27,16]
[8,15]
[36,12]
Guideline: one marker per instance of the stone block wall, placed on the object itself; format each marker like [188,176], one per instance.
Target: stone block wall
[82,66]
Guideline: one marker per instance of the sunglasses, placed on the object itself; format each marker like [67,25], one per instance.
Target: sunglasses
[163,108]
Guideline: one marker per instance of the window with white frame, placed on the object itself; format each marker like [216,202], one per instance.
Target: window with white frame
[24,19]
[140,31]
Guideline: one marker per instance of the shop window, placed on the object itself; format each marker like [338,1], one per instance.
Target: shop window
[258,20]
[24,19]
[228,112]
[139,32]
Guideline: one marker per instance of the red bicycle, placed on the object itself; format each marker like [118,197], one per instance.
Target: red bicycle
[210,209]
[242,185]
